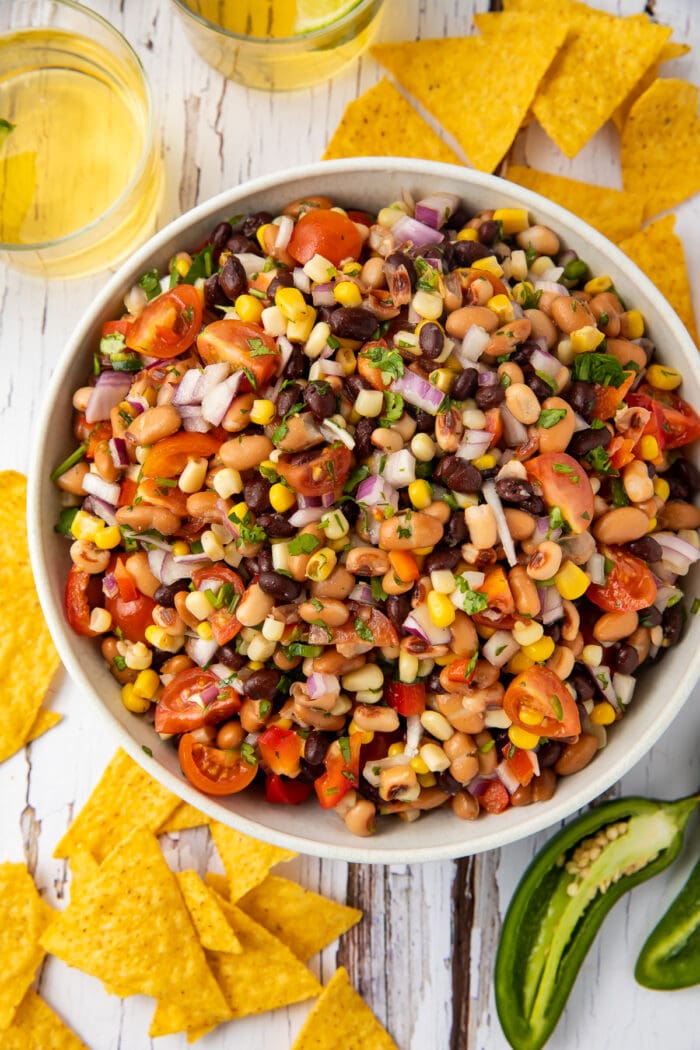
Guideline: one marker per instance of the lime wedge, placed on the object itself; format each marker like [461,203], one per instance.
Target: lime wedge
[315,14]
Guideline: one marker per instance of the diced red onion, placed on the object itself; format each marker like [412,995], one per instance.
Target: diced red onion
[372,768]
[474,444]
[418,392]
[517,309]
[110,587]
[410,231]
[435,210]
[543,532]
[499,648]
[107,491]
[678,554]
[301,280]
[322,295]
[318,685]
[138,403]
[211,377]
[216,401]
[174,569]
[286,350]
[475,341]
[193,420]
[251,263]
[579,548]
[665,593]
[551,286]
[414,732]
[595,569]
[330,368]
[551,607]
[362,592]
[541,361]
[201,650]
[419,622]
[106,511]
[623,687]
[118,452]
[488,378]
[552,274]
[155,562]
[494,501]
[285,228]
[400,469]
[602,680]
[220,670]
[300,518]
[580,423]
[307,501]
[514,432]
[332,432]
[507,777]
[186,390]
[479,785]
[109,390]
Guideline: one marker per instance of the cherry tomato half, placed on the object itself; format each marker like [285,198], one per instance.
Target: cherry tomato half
[223,621]
[168,457]
[213,771]
[281,791]
[406,699]
[77,600]
[314,473]
[245,346]
[681,423]
[131,617]
[327,233]
[628,586]
[169,324]
[565,485]
[195,698]
[542,692]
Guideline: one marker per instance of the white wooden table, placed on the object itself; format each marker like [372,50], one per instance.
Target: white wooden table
[423,957]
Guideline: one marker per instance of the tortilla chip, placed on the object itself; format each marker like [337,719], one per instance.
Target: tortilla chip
[341,1020]
[209,921]
[381,123]
[603,58]
[614,213]
[23,918]
[126,797]
[669,51]
[658,251]
[304,921]
[130,928]
[44,720]
[83,871]
[183,816]
[28,659]
[660,145]
[37,1027]
[247,861]
[459,81]
[217,882]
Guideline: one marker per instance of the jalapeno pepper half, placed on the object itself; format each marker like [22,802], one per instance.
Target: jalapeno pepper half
[670,957]
[563,898]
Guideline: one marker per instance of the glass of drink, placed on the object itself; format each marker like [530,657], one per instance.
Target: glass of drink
[80,172]
[280,45]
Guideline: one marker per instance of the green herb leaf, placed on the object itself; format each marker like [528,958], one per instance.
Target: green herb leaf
[362,630]
[202,266]
[344,745]
[305,543]
[258,348]
[603,369]
[393,408]
[69,462]
[248,754]
[386,360]
[549,417]
[65,520]
[150,283]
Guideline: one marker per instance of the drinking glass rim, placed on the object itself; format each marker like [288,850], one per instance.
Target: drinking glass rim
[55,242]
[296,38]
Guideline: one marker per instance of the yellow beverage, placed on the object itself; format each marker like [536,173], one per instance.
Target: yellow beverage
[79,173]
[280,44]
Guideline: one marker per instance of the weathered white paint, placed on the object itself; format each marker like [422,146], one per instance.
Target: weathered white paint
[406,957]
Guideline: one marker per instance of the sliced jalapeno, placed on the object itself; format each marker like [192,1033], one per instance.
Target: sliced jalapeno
[670,957]
[563,898]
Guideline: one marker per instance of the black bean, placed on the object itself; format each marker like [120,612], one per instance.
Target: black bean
[351,511]
[489,473]
[282,279]
[514,490]
[251,566]
[648,549]
[683,480]
[275,525]
[321,399]
[458,474]
[431,340]
[213,295]
[461,254]
[283,588]
[396,260]
[220,235]
[159,657]
[584,441]
[548,754]
[424,422]
[522,354]
[256,494]
[324,313]
[432,682]
[672,622]
[456,529]
[227,655]
[165,594]
[232,279]
[398,606]
[459,218]
[353,322]
[582,683]
[534,505]
[442,558]
[262,684]
[241,245]
[447,783]
[316,746]
[289,397]
[296,365]
[488,231]
[539,387]
[368,791]
[650,617]
[252,223]
[488,397]
[265,559]
[465,385]
[353,385]
[363,438]
[581,397]
[624,658]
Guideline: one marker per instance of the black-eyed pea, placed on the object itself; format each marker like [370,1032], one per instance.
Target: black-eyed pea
[464,768]
[387,440]
[481,522]
[576,756]
[168,618]
[572,621]
[464,806]
[393,585]
[449,429]
[459,710]
[183,612]
[570,314]
[375,718]
[614,626]
[89,558]
[110,652]
[542,326]
[254,607]
[540,238]
[638,485]
[621,525]
[145,517]
[360,819]
[410,530]
[155,423]
[521,525]
[524,591]
[398,782]
[367,561]
[561,662]
[545,561]
[464,637]
[237,416]
[626,351]
[640,640]
[556,430]
[522,403]
[139,569]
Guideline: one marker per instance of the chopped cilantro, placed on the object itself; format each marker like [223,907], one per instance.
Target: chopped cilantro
[69,462]
[119,662]
[378,592]
[150,283]
[385,360]
[355,479]
[248,754]
[549,417]
[304,544]
[428,276]
[202,265]
[248,531]
[557,708]
[600,461]
[472,601]
[619,496]
[258,348]
[695,607]
[362,630]
[603,369]
[344,745]
[146,750]
[251,379]
[393,408]
[564,468]
[546,379]
[303,649]
[265,708]
[65,520]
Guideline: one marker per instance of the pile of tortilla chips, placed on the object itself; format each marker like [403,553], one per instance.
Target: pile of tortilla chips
[572,68]
[28,660]
[206,950]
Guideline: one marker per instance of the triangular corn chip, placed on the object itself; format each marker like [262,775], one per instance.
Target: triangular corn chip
[246,860]
[183,816]
[23,918]
[669,51]
[37,1027]
[342,1020]
[44,721]
[209,921]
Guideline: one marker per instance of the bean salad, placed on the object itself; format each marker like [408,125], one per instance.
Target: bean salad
[386,510]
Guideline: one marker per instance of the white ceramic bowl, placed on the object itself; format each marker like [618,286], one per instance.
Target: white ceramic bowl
[365,182]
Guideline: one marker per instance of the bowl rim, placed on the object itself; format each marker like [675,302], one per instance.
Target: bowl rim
[67,239]
[356,850]
[311,37]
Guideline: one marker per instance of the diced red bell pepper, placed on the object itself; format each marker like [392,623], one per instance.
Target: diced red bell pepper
[519,763]
[128,591]
[406,699]
[461,670]
[342,764]
[127,493]
[495,798]
[280,750]
[281,791]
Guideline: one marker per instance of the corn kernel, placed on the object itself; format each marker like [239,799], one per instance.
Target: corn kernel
[261,648]
[591,655]
[388,217]
[395,749]
[443,581]
[434,757]
[272,629]
[423,447]
[107,539]
[661,488]
[426,780]
[320,269]
[468,233]
[146,684]
[527,633]
[335,525]
[260,234]
[653,524]
[420,494]
[408,667]
[133,702]
[194,474]
[228,482]
[366,735]
[522,738]
[239,511]
[442,378]
[649,447]
[502,306]
[84,526]
[428,305]
[291,303]
[437,725]
[571,581]
[351,269]
[346,359]
[204,631]
[586,339]
[299,331]
[663,378]
[518,265]
[137,656]
[281,497]
[484,462]
[321,564]
[541,264]
[182,263]
[347,294]
[369,403]
[442,611]
[541,650]
[489,264]
[635,324]
[318,340]
[418,765]
[273,321]
[519,662]
[530,717]
[212,545]
[100,620]
[255,665]
[603,714]
[565,352]
[180,549]
[512,220]
[262,411]
[596,285]
[248,308]
[281,723]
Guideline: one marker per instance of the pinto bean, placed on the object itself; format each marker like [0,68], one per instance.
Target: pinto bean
[576,756]
[460,321]
[410,530]
[144,517]
[626,351]
[72,480]
[556,438]
[521,525]
[333,613]
[246,451]
[254,607]
[677,515]
[621,525]
[155,423]
[613,626]
[524,590]
[505,339]
[542,327]
[238,413]
[570,314]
